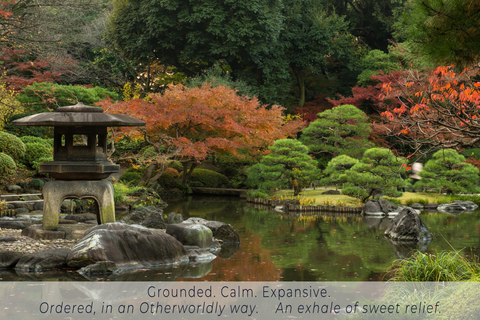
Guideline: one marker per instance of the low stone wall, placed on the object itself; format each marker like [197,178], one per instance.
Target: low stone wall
[306,209]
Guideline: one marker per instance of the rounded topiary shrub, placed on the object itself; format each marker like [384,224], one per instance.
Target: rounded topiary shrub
[36,151]
[174,173]
[132,176]
[8,168]
[168,182]
[209,178]
[11,145]
[36,184]
[32,139]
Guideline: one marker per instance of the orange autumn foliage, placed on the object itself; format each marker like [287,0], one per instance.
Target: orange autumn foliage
[193,123]
[440,109]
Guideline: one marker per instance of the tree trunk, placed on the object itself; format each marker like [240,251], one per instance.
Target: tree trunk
[301,85]
[296,188]
[158,175]
[145,179]
[187,172]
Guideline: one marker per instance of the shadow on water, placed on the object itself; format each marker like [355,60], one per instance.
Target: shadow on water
[287,247]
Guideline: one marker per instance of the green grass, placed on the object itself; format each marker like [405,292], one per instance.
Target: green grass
[443,266]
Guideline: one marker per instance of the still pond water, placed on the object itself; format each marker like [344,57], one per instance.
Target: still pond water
[281,247]
[327,247]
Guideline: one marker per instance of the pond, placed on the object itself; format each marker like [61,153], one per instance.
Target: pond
[328,247]
[282,247]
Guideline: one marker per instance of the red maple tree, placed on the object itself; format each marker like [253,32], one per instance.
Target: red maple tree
[190,124]
[436,110]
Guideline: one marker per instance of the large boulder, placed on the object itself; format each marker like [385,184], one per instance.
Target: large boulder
[9,259]
[457,207]
[126,245]
[150,217]
[220,230]
[191,234]
[52,259]
[379,207]
[408,226]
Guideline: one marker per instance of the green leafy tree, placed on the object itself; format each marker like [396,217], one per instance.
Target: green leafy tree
[335,171]
[288,163]
[42,97]
[378,170]
[448,169]
[8,169]
[267,44]
[443,32]
[341,130]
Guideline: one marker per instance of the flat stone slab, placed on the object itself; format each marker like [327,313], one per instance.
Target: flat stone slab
[64,231]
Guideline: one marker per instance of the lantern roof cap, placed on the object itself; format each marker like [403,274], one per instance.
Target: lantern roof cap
[79,115]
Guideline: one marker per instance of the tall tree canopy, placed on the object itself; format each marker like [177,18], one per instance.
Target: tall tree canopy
[258,40]
[192,123]
[444,32]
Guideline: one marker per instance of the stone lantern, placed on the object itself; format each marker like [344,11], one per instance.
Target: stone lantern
[79,158]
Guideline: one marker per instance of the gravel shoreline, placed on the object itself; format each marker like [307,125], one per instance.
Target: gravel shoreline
[25,244]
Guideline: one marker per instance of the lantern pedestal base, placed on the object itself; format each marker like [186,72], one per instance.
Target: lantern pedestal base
[54,192]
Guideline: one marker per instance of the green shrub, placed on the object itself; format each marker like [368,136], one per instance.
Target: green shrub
[32,139]
[36,151]
[11,145]
[195,184]
[36,164]
[209,178]
[168,182]
[36,184]
[8,168]
[132,176]
[20,131]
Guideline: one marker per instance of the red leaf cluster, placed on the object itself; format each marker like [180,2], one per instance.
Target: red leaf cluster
[197,122]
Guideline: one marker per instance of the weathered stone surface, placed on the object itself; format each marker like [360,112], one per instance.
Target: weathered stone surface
[408,225]
[457,207]
[417,206]
[65,231]
[63,221]
[82,217]
[386,205]
[126,245]
[8,239]
[9,259]
[379,207]
[430,206]
[14,188]
[43,260]
[191,234]
[150,217]
[199,254]
[99,268]
[331,192]
[21,210]
[54,192]
[223,231]
[372,207]
[5,224]
[174,217]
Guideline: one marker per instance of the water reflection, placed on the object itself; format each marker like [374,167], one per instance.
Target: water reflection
[288,247]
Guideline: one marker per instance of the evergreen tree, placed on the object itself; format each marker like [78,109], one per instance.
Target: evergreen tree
[379,170]
[341,130]
[335,170]
[288,163]
[448,169]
